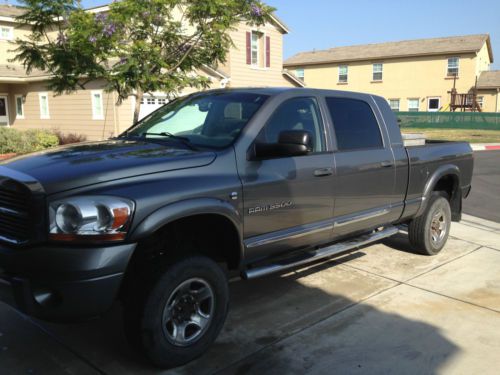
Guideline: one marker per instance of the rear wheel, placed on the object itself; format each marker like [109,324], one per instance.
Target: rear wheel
[176,318]
[429,232]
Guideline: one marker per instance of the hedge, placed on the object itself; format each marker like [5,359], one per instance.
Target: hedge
[23,142]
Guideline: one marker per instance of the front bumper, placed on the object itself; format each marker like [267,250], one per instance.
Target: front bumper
[62,283]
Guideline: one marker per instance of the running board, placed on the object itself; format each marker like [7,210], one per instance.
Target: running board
[325,252]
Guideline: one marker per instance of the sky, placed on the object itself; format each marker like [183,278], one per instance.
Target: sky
[321,24]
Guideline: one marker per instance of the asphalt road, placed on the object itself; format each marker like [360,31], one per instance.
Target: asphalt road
[484,200]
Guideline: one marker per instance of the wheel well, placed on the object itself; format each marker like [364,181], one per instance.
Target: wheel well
[449,184]
[212,235]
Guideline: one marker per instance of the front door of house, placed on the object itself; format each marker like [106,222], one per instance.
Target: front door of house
[4,112]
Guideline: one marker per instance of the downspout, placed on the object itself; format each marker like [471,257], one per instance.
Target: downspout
[496,104]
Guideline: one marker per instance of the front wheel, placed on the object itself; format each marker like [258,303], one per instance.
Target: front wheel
[429,232]
[180,314]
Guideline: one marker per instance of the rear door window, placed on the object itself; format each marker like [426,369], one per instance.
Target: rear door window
[354,124]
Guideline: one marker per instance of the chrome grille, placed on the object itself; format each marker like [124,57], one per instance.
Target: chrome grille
[16,219]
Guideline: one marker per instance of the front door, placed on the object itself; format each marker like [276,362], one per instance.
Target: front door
[4,111]
[288,201]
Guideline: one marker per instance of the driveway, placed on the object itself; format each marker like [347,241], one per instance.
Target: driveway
[378,310]
[484,200]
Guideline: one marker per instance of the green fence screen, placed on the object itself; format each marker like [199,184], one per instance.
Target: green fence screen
[449,120]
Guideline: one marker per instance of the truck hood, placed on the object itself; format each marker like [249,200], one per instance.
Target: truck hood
[89,163]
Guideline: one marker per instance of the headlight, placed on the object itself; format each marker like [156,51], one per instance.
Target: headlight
[100,218]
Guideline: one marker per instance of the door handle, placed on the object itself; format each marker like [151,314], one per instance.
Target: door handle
[323,172]
[386,164]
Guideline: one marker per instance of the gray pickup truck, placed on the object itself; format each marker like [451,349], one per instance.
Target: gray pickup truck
[252,181]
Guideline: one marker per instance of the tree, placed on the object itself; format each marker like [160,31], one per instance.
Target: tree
[137,47]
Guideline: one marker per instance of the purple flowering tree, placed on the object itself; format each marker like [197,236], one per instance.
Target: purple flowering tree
[137,47]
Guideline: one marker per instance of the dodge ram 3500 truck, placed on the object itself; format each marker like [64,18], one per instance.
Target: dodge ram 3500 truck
[249,180]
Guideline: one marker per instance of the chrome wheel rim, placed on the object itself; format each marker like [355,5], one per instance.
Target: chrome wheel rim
[439,226]
[188,312]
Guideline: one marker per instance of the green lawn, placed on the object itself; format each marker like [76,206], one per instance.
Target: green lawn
[468,135]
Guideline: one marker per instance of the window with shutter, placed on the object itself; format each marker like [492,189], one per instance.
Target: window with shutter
[268,51]
[249,48]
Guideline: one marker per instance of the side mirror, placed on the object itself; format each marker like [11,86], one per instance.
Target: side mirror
[290,143]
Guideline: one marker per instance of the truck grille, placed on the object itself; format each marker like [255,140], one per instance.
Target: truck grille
[17,223]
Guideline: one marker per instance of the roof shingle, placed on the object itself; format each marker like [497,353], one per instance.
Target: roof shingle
[10,10]
[417,47]
[489,79]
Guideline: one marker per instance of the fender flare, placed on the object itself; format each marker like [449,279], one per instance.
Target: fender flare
[443,170]
[190,207]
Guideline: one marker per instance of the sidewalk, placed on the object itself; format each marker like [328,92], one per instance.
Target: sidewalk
[378,310]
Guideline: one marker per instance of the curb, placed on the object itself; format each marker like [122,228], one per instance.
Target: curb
[485,147]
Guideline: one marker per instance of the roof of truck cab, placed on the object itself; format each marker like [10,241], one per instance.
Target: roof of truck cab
[273,91]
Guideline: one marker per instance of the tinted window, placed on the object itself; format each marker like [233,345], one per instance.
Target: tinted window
[207,120]
[295,114]
[354,124]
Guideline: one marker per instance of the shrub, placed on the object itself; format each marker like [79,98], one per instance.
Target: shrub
[22,142]
[65,139]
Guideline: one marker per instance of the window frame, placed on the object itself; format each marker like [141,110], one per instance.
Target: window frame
[408,104]
[377,72]
[321,118]
[44,116]
[346,74]
[480,101]
[334,133]
[16,98]
[429,103]
[95,115]
[11,32]
[257,48]
[399,104]
[448,67]
[298,75]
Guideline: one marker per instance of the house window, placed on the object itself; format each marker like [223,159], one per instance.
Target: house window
[434,104]
[255,47]
[413,105]
[480,101]
[19,107]
[377,72]
[394,104]
[97,108]
[343,71]
[453,66]
[162,101]
[6,33]
[44,105]
[299,72]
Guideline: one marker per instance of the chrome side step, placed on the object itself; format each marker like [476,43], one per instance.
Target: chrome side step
[313,255]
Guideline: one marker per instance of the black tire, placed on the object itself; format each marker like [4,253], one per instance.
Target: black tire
[429,232]
[145,310]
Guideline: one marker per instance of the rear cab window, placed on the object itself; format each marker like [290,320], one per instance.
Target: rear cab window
[354,123]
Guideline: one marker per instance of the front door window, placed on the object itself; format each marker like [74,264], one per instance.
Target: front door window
[4,113]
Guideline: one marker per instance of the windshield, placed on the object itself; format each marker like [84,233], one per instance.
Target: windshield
[212,120]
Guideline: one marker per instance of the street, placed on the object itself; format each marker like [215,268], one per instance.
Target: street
[484,200]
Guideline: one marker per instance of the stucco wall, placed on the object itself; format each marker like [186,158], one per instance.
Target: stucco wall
[403,78]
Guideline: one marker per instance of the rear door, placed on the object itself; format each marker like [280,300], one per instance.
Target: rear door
[288,201]
[365,178]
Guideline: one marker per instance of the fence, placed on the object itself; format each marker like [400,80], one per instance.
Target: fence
[449,120]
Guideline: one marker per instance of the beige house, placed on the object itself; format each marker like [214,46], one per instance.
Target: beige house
[414,75]
[25,102]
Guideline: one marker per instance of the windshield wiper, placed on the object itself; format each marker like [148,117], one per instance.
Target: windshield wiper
[184,140]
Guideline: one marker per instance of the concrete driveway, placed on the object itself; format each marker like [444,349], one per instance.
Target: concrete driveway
[379,310]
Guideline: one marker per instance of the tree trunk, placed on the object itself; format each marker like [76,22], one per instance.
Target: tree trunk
[137,109]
